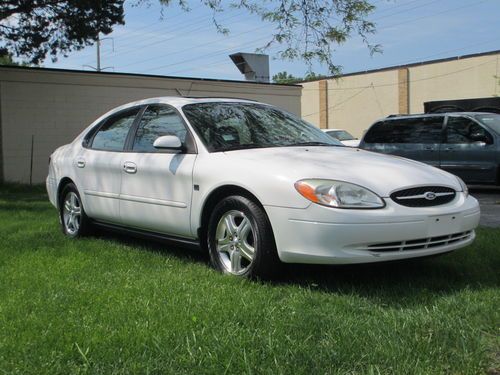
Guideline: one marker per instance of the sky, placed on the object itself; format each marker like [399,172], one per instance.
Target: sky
[187,44]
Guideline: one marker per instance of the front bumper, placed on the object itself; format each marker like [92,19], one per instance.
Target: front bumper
[324,235]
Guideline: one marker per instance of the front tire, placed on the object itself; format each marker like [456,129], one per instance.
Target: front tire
[240,239]
[74,221]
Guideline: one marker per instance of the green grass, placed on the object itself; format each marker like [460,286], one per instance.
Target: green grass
[114,305]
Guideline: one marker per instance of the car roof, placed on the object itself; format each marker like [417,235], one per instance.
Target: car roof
[472,114]
[179,101]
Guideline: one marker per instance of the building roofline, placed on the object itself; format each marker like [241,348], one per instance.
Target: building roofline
[394,67]
[123,74]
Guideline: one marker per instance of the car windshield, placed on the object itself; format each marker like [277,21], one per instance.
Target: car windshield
[341,135]
[491,120]
[225,126]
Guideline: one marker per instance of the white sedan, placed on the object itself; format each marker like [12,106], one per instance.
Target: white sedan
[343,136]
[254,185]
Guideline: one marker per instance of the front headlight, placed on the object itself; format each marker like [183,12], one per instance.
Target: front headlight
[464,187]
[338,194]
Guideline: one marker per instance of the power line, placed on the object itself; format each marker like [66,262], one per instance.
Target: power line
[407,10]
[432,15]
[217,62]
[170,38]
[147,27]
[362,88]
[192,48]
[187,26]
[215,53]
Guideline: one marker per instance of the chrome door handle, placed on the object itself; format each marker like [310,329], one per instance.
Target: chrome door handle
[80,163]
[129,167]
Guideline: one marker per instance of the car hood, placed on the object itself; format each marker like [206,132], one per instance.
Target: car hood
[380,173]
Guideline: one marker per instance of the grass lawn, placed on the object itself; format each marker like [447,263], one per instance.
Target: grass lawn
[115,305]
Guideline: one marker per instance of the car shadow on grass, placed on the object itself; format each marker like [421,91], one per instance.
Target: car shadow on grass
[398,284]
[153,245]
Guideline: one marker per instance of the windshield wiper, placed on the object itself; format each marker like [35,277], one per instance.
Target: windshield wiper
[313,143]
[243,147]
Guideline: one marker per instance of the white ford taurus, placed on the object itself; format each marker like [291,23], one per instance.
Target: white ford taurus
[255,186]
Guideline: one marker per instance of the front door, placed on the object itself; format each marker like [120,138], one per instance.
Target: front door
[468,151]
[157,185]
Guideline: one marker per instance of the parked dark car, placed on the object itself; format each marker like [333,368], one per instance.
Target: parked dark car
[466,144]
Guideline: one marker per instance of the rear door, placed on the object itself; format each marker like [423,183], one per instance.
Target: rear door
[157,184]
[98,166]
[416,138]
[469,150]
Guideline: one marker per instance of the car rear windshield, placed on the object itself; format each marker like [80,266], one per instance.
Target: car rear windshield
[491,120]
[225,126]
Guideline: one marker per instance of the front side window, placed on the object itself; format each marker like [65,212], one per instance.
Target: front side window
[226,126]
[112,135]
[492,120]
[157,121]
[465,130]
[410,130]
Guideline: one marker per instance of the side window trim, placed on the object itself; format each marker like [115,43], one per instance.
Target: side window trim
[87,142]
[129,143]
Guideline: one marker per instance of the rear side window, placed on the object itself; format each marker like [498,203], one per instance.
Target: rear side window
[410,130]
[157,121]
[112,135]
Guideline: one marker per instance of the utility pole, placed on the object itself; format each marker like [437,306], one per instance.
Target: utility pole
[98,68]
[98,45]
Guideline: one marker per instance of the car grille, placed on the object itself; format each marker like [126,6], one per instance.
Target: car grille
[424,196]
[420,244]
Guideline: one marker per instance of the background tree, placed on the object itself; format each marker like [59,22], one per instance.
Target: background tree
[286,78]
[6,58]
[33,29]
[306,30]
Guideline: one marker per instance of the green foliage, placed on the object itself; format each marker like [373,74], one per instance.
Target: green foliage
[113,305]
[34,29]
[286,78]
[6,58]
[306,30]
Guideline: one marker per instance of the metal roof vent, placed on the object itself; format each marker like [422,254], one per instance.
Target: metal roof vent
[254,66]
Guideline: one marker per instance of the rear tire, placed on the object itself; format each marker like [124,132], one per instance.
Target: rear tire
[240,239]
[74,220]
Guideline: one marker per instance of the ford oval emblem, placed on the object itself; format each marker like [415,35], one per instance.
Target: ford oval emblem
[430,196]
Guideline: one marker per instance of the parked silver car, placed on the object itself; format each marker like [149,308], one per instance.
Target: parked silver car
[466,144]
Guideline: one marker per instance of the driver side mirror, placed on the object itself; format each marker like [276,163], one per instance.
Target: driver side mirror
[168,142]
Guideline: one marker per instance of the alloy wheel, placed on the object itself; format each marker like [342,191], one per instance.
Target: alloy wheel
[72,212]
[235,242]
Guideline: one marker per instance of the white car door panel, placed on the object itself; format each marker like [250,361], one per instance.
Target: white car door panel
[99,169]
[156,185]
[100,179]
[157,196]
